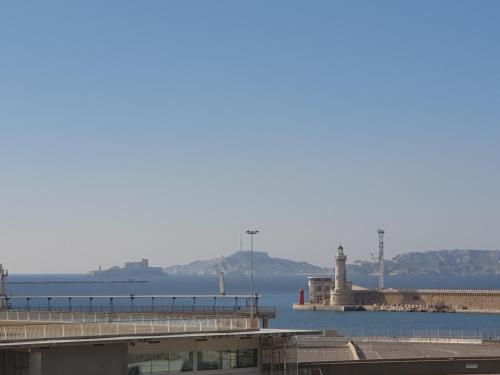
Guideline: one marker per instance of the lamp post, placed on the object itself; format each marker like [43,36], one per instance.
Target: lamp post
[251,233]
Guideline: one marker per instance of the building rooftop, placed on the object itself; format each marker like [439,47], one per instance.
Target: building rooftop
[120,338]
[400,350]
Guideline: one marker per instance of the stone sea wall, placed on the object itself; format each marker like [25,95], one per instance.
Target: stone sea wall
[457,299]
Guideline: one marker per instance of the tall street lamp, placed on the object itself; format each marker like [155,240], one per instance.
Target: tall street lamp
[251,233]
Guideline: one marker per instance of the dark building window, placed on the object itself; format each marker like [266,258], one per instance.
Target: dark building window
[162,363]
[226,359]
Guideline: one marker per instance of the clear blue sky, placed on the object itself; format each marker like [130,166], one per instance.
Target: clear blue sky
[163,129]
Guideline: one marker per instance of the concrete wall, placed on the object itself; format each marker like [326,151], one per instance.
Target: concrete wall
[84,360]
[369,297]
[409,367]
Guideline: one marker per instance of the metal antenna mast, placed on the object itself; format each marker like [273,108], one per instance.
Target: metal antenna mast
[3,297]
[381,233]
[252,303]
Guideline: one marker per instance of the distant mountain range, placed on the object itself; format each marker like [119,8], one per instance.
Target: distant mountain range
[239,263]
[434,262]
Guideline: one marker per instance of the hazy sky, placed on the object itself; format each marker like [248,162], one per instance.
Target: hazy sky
[163,129]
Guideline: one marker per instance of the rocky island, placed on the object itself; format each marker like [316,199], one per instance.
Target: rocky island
[130,270]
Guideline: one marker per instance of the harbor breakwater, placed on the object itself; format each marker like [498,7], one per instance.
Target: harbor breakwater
[432,300]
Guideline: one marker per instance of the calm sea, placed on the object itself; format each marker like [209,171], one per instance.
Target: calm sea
[281,292]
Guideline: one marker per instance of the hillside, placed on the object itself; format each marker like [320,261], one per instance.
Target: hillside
[239,263]
[435,262]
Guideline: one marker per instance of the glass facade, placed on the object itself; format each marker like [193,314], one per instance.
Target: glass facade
[158,364]
[226,359]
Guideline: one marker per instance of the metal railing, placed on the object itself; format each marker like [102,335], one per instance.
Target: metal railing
[89,317]
[261,311]
[377,333]
[16,332]
[318,341]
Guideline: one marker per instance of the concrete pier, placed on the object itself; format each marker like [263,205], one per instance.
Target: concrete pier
[338,294]
[416,300]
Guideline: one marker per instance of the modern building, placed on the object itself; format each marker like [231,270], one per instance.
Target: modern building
[42,342]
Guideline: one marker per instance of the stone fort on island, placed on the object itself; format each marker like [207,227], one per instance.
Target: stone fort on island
[336,293]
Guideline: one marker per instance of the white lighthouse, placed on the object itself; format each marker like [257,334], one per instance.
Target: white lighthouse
[342,292]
